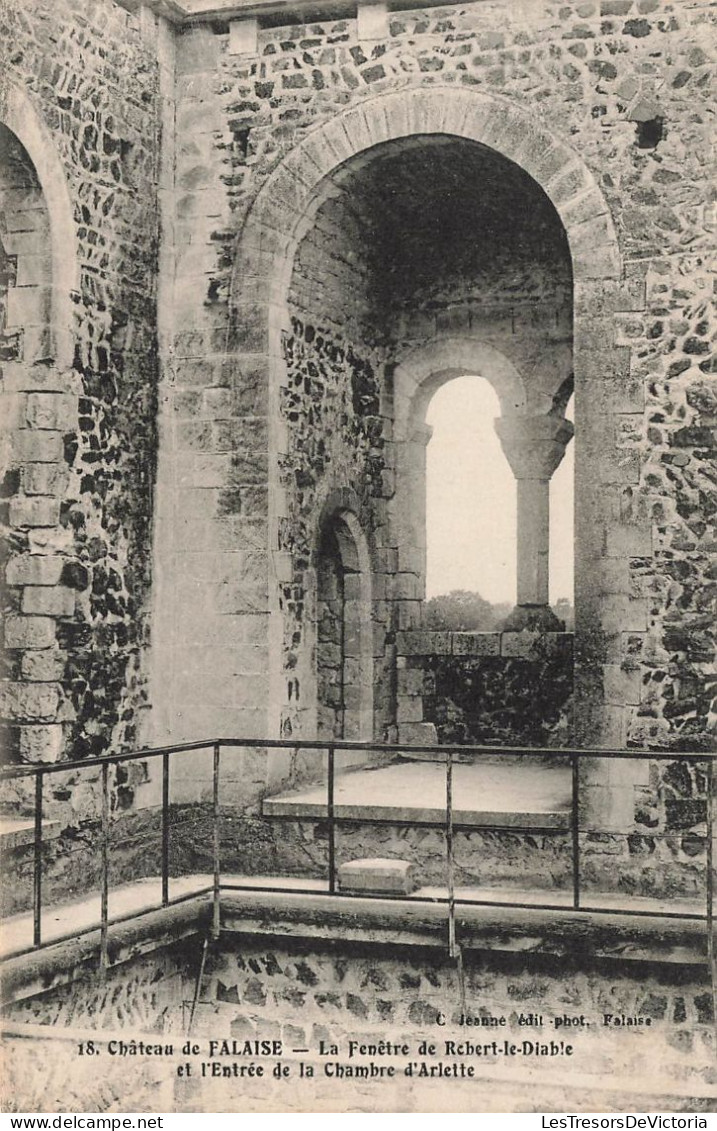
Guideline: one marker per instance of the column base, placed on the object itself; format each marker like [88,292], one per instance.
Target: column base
[533,618]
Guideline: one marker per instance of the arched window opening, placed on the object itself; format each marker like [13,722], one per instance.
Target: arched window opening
[499,510]
[25,481]
[344,662]
[470,508]
[25,260]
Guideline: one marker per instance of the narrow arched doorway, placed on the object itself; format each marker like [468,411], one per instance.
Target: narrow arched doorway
[344,658]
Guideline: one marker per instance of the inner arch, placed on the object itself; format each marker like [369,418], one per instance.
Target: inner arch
[424,233]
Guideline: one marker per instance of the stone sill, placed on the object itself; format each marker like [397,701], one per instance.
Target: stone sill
[474,819]
[183,13]
[525,645]
[338,920]
[413,791]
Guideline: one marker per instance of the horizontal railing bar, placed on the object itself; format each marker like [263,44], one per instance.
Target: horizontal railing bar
[7,772]
[404,748]
[113,922]
[374,747]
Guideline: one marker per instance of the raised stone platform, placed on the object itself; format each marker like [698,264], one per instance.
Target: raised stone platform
[18,832]
[485,795]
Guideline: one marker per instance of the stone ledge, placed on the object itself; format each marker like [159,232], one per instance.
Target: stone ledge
[17,832]
[57,964]
[522,820]
[614,937]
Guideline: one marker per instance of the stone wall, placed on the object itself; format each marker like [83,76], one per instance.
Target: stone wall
[596,77]
[146,994]
[318,996]
[331,406]
[485,688]
[84,439]
[304,994]
[678,582]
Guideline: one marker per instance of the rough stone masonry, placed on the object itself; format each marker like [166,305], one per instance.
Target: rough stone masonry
[237,255]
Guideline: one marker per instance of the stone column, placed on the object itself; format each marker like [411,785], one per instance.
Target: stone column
[534,447]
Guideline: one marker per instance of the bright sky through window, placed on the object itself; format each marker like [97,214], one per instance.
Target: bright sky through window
[471,500]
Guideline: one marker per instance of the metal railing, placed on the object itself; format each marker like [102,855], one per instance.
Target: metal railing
[447,754]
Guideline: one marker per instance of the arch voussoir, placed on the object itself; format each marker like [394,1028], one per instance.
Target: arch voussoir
[539,154]
[302,168]
[583,207]
[337,141]
[462,109]
[356,125]
[397,114]
[294,192]
[572,180]
[313,151]
[379,123]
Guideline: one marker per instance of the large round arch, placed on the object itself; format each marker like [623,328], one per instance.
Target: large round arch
[317,168]
[293,193]
[286,205]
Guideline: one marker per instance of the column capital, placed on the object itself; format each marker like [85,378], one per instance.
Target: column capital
[534,445]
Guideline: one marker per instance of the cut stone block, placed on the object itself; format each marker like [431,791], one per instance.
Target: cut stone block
[418,734]
[243,37]
[372,22]
[378,874]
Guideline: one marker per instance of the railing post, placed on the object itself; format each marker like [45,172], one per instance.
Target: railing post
[165,830]
[710,850]
[332,822]
[105,857]
[216,922]
[37,873]
[575,828]
[452,951]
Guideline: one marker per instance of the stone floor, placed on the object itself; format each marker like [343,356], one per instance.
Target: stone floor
[509,794]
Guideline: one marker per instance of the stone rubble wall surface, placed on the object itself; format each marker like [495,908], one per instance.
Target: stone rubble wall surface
[78,570]
[331,405]
[303,993]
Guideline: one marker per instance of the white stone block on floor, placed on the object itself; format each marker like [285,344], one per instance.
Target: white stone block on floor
[377,874]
